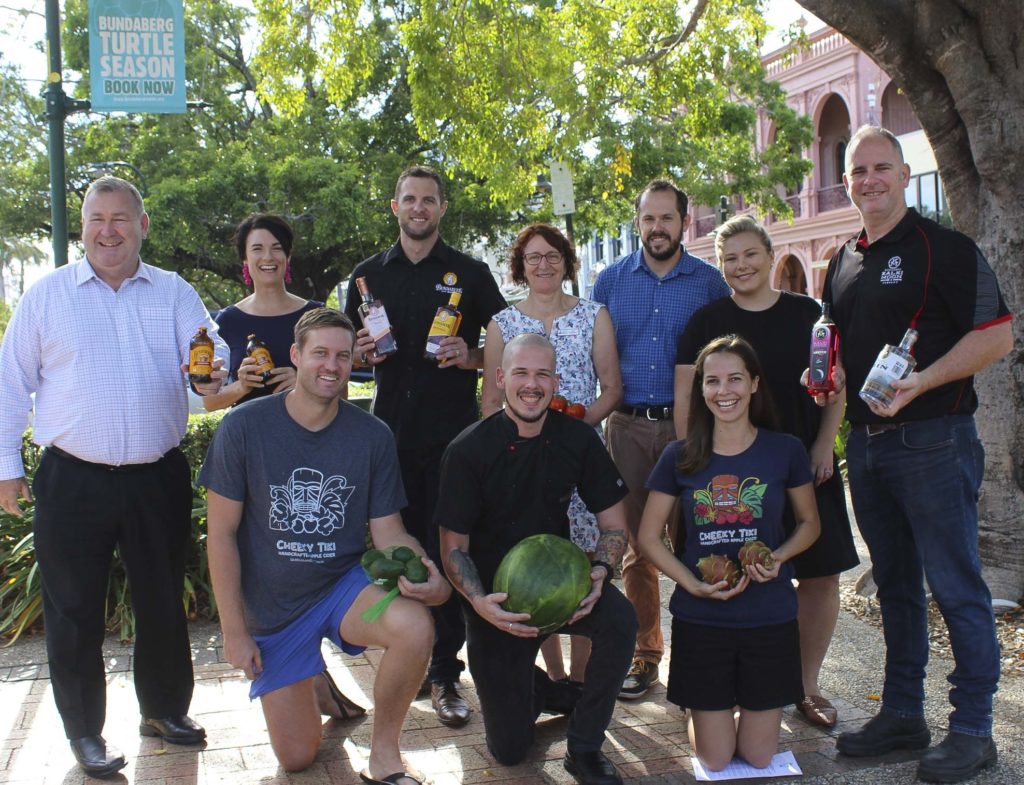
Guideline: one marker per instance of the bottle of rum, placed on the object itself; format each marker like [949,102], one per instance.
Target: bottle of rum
[446,322]
[200,357]
[375,319]
[892,364]
[258,350]
[824,352]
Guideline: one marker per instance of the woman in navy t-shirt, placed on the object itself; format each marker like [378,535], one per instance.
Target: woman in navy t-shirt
[732,645]
[264,245]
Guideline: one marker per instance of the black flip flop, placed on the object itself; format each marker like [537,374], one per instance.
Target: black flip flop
[349,709]
[391,779]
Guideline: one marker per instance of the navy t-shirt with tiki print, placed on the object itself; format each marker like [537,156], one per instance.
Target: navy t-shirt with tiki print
[734,499]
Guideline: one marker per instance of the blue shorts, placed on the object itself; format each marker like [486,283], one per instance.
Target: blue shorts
[293,653]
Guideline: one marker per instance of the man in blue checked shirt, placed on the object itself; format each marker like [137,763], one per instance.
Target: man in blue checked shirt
[651,295]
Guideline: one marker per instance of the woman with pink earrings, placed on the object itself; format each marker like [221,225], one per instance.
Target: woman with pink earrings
[264,245]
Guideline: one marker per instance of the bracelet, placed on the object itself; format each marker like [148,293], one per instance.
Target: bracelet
[609,570]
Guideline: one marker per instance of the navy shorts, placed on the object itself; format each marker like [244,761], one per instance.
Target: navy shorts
[293,652]
[717,668]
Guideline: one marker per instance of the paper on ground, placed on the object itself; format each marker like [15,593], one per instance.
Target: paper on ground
[783,765]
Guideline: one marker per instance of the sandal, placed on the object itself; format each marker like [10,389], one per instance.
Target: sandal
[391,779]
[347,708]
[818,711]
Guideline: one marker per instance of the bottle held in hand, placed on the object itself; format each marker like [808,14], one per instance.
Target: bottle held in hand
[824,353]
[200,357]
[892,364]
[258,350]
[446,323]
[375,319]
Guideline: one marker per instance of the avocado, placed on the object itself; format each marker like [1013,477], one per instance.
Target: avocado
[386,568]
[370,557]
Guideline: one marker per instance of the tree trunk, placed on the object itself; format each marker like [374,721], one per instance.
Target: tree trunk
[961,65]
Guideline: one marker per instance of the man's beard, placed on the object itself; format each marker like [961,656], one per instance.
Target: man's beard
[661,256]
[417,233]
[524,417]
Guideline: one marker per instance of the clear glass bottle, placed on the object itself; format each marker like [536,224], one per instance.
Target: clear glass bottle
[892,364]
[375,319]
[824,353]
[446,322]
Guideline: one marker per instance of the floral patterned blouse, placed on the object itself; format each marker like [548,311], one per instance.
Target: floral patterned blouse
[572,335]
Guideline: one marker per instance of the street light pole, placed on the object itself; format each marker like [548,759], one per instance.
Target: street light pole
[58,107]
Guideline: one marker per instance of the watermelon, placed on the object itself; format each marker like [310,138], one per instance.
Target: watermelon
[545,576]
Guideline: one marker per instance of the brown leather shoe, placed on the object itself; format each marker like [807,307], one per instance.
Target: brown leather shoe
[452,709]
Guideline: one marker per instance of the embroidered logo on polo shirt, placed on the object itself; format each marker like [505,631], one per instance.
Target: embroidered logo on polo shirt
[893,273]
[449,287]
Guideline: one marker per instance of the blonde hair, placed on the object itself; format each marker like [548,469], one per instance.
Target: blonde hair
[738,225]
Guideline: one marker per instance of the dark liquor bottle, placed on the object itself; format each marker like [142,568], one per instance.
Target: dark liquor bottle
[446,323]
[375,319]
[824,353]
[258,350]
[200,357]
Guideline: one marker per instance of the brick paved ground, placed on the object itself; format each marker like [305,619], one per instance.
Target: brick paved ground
[647,738]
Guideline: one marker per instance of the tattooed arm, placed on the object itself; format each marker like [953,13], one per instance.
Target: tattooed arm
[462,573]
[611,544]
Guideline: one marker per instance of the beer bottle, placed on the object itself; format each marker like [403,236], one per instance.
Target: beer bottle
[446,323]
[375,319]
[200,357]
[258,350]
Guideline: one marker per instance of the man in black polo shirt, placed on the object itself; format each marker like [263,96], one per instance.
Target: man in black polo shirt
[426,403]
[915,466]
[504,479]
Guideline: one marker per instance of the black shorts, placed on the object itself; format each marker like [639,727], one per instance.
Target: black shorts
[717,668]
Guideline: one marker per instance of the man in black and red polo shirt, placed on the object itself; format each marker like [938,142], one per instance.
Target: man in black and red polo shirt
[915,466]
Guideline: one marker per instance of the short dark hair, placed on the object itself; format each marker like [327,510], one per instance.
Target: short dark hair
[419,170]
[322,317]
[554,237]
[275,224]
[663,184]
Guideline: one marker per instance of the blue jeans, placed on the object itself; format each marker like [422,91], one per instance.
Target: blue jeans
[915,492]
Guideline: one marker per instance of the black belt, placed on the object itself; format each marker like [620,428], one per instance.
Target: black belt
[662,412]
[122,469]
[877,428]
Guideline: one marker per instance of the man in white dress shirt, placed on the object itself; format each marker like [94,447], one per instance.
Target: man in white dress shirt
[102,344]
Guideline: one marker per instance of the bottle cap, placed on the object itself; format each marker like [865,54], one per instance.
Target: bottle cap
[361,285]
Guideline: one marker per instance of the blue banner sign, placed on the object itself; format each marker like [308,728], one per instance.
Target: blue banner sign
[137,55]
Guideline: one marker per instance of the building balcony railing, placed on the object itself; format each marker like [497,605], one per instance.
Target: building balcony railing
[704,226]
[794,203]
[834,197]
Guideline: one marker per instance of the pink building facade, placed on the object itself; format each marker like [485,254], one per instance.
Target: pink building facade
[839,88]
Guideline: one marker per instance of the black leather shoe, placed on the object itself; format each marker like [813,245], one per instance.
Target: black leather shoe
[176,730]
[591,768]
[884,733]
[96,757]
[956,758]
[452,709]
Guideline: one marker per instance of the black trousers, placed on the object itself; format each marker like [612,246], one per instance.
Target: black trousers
[421,476]
[512,690]
[83,511]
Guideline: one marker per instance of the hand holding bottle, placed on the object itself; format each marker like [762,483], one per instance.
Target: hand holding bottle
[906,390]
[366,349]
[453,352]
[839,379]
